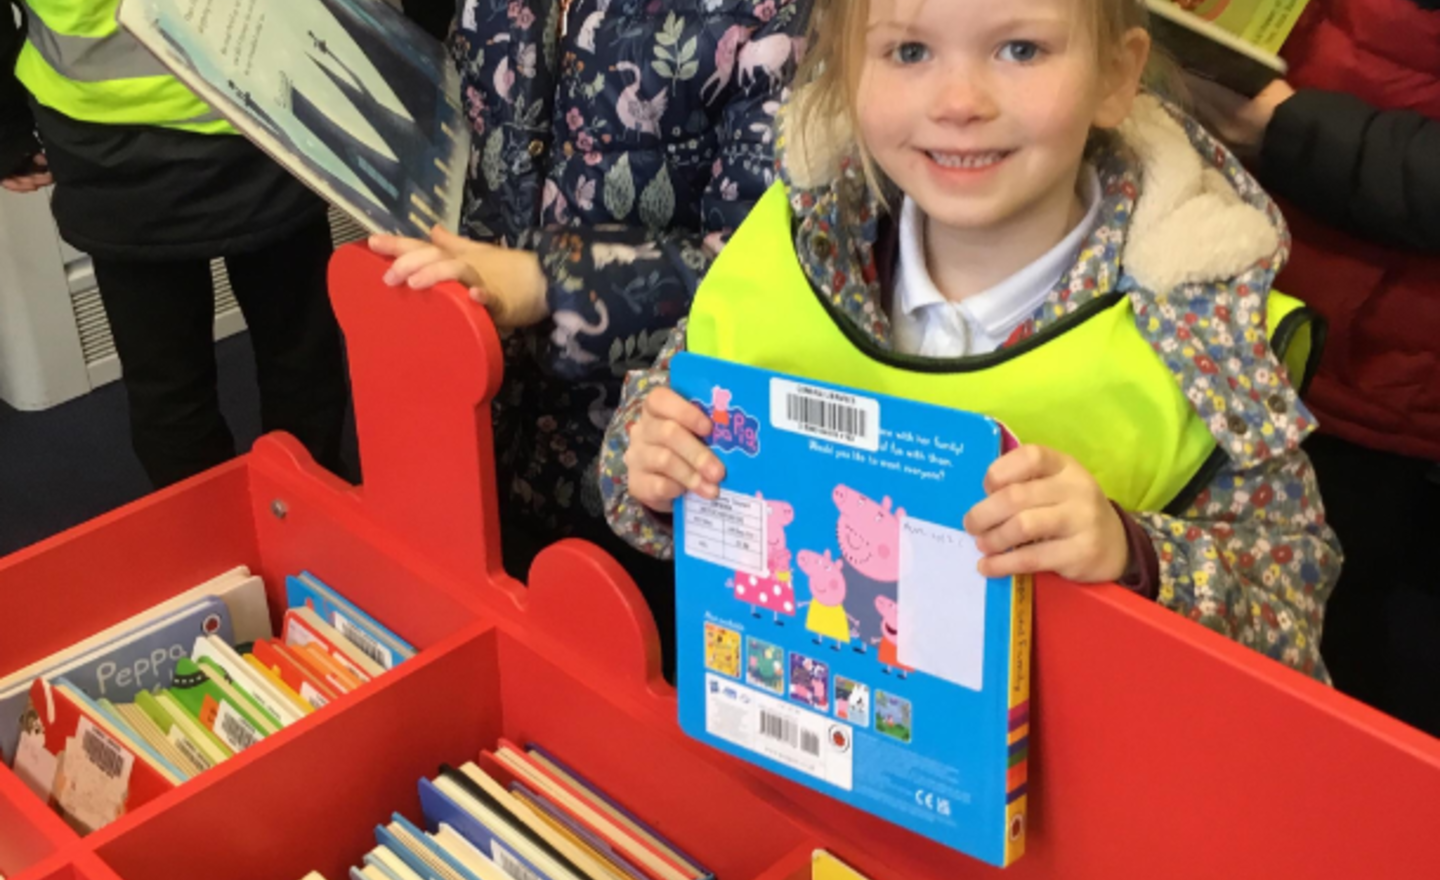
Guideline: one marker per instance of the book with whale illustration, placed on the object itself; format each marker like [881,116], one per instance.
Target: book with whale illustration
[833,627]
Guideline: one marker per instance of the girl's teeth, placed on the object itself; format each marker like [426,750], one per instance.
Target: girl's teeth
[966,160]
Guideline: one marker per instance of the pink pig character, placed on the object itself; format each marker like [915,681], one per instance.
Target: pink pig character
[720,405]
[869,534]
[827,617]
[777,590]
[889,647]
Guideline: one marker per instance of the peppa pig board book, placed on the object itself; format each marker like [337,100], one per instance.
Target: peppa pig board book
[832,625]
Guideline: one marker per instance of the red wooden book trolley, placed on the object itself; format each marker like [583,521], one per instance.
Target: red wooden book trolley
[1160,750]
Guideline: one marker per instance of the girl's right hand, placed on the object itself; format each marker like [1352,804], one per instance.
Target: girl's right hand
[666,457]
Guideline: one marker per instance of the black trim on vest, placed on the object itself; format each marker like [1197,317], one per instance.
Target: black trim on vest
[970,363]
[1280,342]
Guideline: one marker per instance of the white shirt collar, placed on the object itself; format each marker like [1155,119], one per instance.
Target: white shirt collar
[989,317]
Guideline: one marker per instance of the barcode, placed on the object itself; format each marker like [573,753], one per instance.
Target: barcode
[236,731]
[103,754]
[826,416]
[362,640]
[787,731]
[513,867]
[190,750]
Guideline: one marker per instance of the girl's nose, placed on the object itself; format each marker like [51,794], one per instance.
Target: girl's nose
[964,98]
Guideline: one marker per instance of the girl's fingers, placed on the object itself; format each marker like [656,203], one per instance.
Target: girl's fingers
[1030,559]
[445,270]
[410,262]
[1023,465]
[678,423]
[1003,505]
[394,245]
[1026,527]
[655,492]
[677,455]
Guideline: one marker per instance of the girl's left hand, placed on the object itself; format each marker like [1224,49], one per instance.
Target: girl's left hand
[507,282]
[1045,512]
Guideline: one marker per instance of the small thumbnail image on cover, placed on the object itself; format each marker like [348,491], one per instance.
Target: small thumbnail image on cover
[809,682]
[892,716]
[852,701]
[722,650]
[765,665]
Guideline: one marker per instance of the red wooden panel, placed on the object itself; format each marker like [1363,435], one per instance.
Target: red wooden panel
[68,587]
[312,800]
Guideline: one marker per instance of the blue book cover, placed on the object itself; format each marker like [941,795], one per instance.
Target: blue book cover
[438,808]
[833,627]
[364,631]
[422,844]
[142,659]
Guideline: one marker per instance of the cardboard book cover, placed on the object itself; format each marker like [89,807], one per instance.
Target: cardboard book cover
[833,627]
[350,96]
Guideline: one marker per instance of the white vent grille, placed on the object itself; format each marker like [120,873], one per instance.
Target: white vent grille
[95,339]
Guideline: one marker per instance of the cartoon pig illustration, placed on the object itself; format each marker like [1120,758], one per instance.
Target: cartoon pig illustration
[720,405]
[826,617]
[869,534]
[869,537]
[889,633]
[777,590]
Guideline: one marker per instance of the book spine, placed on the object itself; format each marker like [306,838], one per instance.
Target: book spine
[1018,738]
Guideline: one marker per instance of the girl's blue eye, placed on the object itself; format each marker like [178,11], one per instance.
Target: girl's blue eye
[911,53]
[1020,51]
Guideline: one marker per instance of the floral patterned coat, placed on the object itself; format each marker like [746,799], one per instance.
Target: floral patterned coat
[1252,556]
[621,140]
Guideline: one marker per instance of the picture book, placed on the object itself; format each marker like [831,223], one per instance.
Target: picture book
[365,632]
[304,627]
[649,858]
[349,96]
[311,687]
[218,712]
[832,625]
[590,843]
[493,826]
[1233,42]
[139,659]
[71,759]
[244,677]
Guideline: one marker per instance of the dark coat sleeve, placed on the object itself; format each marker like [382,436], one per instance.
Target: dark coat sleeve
[1375,173]
[17,127]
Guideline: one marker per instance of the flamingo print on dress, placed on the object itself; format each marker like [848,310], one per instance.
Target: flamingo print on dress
[725,56]
[637,113]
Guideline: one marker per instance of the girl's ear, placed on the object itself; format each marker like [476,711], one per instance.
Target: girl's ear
[1121,82]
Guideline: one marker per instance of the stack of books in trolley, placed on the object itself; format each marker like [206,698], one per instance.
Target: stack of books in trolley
[519,814]
[109,724]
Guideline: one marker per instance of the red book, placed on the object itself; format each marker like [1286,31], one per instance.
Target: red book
[80,763]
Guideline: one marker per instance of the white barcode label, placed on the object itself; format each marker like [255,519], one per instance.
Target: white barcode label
[513,867]
[790,733]
[103,752]
[814,744]
[182,743]
[310,694]
[233,730]
[825,414]
[361,639]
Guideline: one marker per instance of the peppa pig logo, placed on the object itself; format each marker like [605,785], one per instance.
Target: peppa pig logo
[734,430]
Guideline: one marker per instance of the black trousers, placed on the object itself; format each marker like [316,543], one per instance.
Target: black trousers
[1382,624]
[162,318]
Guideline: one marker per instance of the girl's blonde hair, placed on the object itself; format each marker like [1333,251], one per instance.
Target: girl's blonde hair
[835,60]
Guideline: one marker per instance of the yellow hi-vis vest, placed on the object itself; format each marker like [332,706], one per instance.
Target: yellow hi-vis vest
[1089,386]
[77,61]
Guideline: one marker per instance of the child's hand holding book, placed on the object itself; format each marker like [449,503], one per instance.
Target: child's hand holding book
[1046,512]
[666,457]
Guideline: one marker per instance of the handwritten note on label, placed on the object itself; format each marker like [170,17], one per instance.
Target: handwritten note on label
[942,603]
